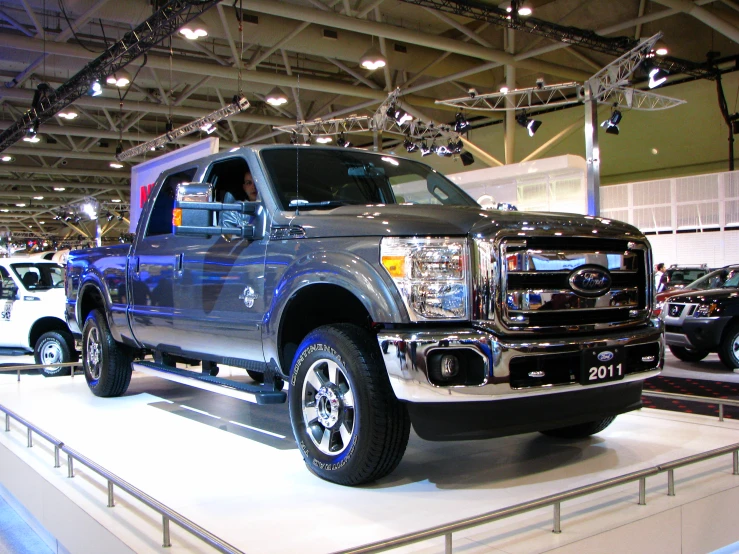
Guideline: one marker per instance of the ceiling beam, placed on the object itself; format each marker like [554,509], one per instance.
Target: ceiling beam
[701,14]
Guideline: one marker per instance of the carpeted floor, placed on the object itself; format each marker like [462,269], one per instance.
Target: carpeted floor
[694,387]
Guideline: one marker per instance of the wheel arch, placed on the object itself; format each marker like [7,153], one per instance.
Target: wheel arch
[312,306]
[44,325]
[91,298]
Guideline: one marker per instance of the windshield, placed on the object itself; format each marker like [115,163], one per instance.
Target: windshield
[714,280]
[314,178]
[39,276]
[679,277]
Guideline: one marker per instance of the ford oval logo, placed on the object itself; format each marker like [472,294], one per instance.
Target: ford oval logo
[590,280]
[605,356]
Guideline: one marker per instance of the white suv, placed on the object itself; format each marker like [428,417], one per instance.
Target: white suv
[32,304]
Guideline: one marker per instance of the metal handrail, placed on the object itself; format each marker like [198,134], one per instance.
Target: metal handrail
[554,500]
[167,513]
[689,398]
[18,367]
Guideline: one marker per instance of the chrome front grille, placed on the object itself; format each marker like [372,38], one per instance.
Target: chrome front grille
[564,283]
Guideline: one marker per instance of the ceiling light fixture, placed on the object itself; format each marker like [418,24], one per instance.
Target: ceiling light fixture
[59,189]
[96,89]
[116,165]
[68,115]
[276,97]
[7,158]
[116,200]
[38,197]
[119,79]
[460,123]
[325,139]
[372,59]
[194,31]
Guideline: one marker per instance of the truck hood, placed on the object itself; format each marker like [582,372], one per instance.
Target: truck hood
[705,296]
[410,220]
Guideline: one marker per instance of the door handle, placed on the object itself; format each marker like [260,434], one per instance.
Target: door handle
[136,269]
[178,261]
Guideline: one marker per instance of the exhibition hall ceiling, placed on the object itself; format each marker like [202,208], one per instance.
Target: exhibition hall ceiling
[312,50]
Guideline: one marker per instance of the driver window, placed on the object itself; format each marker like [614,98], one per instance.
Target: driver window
[160,220]
[227,178]
[7,285]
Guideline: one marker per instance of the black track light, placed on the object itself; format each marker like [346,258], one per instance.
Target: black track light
[611,124]
[531,125]
[460,123]
[425,150]
[467,158]
[410,146]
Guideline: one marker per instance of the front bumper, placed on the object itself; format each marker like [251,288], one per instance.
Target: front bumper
[506,364]
[701,333]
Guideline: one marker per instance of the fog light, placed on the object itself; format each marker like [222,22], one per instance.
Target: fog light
[449,366]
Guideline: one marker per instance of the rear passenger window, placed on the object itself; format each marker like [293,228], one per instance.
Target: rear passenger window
[160,221]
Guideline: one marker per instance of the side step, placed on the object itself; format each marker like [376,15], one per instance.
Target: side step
[256,394]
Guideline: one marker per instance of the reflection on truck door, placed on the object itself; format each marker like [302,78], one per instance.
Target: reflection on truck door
[152,269]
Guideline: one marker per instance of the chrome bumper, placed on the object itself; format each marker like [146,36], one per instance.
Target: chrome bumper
[405,354]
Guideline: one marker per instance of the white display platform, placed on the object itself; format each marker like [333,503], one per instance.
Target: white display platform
[209,458]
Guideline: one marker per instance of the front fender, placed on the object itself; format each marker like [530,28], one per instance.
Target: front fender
[370,284]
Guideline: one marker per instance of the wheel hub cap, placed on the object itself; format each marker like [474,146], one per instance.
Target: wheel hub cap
[51,354]
[328,406]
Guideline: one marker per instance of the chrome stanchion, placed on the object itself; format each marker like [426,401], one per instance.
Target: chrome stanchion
[557,517]
[111,500]
[70,466]
[643,491]
[671,482]
[30,438]
[165,529]
[56,456]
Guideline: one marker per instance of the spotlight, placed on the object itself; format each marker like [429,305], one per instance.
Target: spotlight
[531,125]
[467,158]
[443,151]
[207,128]
[119,149]
[460,123]
[7,158]
[168,126]
[455,147]
[399,115]
[540,83]
[96,89]
[425,150]
[410,146]
[341,141]
[657,77]
[611,124]
[472,92]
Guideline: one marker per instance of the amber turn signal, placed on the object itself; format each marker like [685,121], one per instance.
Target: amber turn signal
[177,217]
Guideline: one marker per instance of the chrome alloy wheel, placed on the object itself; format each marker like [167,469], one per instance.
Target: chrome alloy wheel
[51,353]
[735,347]
[94,353]
[328,407]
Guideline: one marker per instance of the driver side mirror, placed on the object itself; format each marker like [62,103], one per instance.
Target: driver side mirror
[195,208]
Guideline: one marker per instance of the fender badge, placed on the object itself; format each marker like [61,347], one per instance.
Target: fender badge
[248,296]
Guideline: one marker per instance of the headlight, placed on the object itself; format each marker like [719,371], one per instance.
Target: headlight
[431,275]
[706,310]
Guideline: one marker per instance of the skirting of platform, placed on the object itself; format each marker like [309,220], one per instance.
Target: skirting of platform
[233,468]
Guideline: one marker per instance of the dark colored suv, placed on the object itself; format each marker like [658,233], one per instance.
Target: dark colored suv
[712,280]
[703,321]
[678,276]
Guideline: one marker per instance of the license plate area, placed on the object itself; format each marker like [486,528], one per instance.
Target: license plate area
[600,365]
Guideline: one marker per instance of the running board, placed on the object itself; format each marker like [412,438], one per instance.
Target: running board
[256,394]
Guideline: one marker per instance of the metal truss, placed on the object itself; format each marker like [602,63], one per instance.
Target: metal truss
[156,28]
[519,99]
[639,100]
[492,14]
[239,104]
[616,74]
[379,122]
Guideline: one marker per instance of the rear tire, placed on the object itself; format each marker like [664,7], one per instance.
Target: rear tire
[55,347]
[581,430]
[107,363]
[688,354]
[728,350]
[347,422]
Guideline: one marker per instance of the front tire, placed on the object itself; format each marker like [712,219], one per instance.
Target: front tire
[688,354]
[107,363]
[728,350]
[581,430]
[54,347]
[347,422]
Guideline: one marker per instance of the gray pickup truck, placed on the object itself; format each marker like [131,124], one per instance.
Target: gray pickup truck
[381,293]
